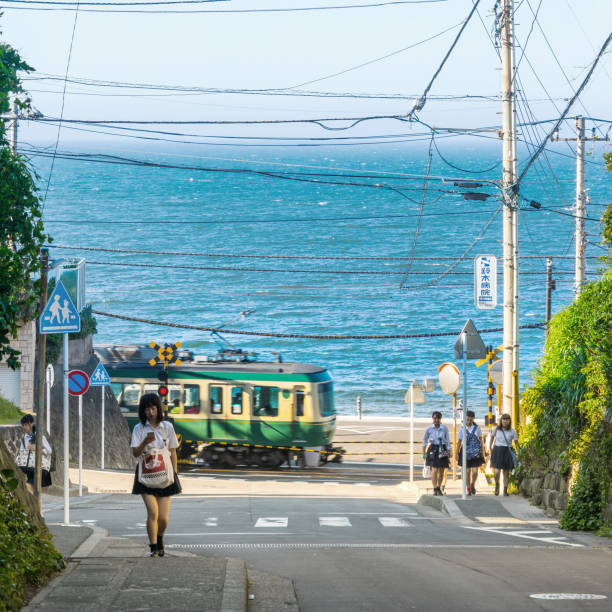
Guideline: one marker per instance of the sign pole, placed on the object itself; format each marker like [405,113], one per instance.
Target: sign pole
[455,436]
[66,436]
[49,380]
[465,406]
[411,433]
[80,446]
[102,389]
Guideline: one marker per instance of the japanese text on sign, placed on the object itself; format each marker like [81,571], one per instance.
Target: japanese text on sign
[485,282]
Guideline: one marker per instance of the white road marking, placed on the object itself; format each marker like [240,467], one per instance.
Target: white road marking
[567,596]
[268,521]
[89,521]
[362,484]
[334,521]
[528,534]
[211,521]
[367,513]
[393,521]
[214,533]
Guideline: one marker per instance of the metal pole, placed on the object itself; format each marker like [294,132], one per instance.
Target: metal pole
[549,288]
[40,375]
[103,389]
[454,435]
[465,407]
[80,446]
[580,209]
[509,198]
[359,406]
[48,408]
[66,436]
[411,433]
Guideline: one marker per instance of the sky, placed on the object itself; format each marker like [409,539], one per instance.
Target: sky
[294,51]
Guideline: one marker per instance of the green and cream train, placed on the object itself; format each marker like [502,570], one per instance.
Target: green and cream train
[228,409]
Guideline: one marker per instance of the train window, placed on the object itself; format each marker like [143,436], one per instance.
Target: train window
[191,399]
[128,397]
[299,402]
[265,401]
[236,400]
[216,399]
[326,399]
[174,396]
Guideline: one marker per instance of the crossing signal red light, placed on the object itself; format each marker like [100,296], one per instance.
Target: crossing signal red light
[163,391]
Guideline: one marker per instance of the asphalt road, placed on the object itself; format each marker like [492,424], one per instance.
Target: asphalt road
[356,551]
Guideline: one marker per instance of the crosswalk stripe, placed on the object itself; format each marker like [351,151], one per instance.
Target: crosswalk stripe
[334,521]
[270,521]
[393,521]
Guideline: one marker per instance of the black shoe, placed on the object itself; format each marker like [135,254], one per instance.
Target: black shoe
[437,491]
[497,489]
[153,548]
[506,494]
[160,547]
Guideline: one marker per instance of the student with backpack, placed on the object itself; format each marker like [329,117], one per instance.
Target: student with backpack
[474,451]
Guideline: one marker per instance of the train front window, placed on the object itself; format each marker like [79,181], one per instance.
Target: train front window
[191,399]
[216,399]
[265,401]
[128,396]
[236,400]
[326,399]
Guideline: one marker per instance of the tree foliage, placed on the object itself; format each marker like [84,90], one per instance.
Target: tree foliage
[570,400]
[21,228]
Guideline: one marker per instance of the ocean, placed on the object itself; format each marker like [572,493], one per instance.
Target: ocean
[348,220]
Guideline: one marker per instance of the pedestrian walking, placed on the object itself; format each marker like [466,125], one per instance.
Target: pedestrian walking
[154,442]
[503,457]
[26,455]
[436,450]
[474,451]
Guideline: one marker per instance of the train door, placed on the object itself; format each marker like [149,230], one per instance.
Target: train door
[299,398]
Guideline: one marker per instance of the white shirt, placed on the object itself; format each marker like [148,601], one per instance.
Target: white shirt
[163,429]
[46,447]
[474,429]
[499,437]
[436,435]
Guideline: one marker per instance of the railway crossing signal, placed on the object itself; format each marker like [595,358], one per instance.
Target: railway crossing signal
[165,356]
[491,357]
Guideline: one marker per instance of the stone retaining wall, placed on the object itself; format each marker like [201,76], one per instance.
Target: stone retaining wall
[547,488]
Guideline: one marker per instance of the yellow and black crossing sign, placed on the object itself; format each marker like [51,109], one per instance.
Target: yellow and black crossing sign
[165,354]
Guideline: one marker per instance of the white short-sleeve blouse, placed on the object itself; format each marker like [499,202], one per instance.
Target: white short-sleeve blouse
[163,430]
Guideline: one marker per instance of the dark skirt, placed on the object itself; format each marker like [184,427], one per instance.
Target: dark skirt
[173,489]
[433,457]
[45,477]
[501,459]
[474,462]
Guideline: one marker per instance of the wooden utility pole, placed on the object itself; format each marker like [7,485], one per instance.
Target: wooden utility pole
[550,285]
[510,226]
[40,374]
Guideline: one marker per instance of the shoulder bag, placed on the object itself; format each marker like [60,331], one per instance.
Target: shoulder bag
[27,458]
[512,451]
[155,467]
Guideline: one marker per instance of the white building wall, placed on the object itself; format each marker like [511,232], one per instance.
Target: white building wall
[18,386]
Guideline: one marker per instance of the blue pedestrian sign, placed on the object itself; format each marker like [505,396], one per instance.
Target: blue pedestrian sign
[60,316]
[99,377]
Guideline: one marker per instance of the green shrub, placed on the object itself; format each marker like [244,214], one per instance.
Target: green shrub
[27,554]
[9,413]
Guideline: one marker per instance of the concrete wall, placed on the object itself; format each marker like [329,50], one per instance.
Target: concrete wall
[25,343]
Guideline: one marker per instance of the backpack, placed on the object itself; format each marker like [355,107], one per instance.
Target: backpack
[473,447]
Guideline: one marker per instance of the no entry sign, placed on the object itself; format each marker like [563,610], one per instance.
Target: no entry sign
[78,382]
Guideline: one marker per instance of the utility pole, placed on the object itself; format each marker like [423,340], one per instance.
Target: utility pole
[510,226]
[550,285]
[580,204]
[40,403]
[13,129]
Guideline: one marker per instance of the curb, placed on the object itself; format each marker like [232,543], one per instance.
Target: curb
[443,504]
[235,586]
[86,548]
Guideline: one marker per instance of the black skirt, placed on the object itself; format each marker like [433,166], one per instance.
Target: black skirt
[474,462]
[45,477]
[501,459]
[173,489]
[433,457]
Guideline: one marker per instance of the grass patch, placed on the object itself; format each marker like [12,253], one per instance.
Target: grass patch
[9,413]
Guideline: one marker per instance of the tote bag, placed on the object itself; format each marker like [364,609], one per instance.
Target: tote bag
[26,458]
[155,467]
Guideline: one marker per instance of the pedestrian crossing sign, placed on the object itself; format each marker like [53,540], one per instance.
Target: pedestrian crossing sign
[60,315]
[99,377]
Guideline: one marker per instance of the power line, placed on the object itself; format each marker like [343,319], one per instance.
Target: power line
[310,336]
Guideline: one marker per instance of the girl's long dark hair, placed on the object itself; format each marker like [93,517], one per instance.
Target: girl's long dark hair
[150,399]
